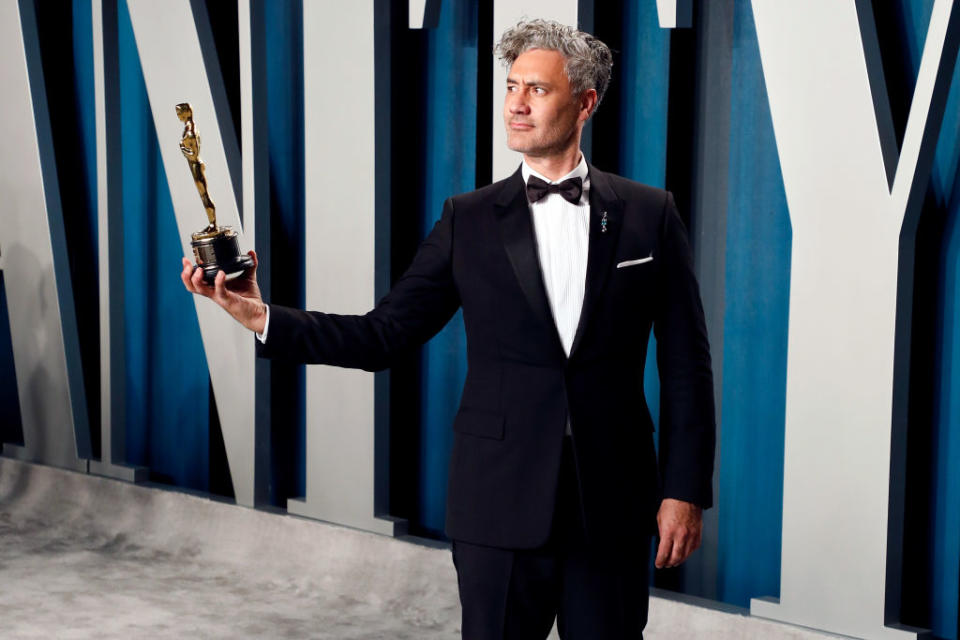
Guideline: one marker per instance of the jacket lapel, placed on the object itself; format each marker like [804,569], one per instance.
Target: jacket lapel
[516,230]
[604,205]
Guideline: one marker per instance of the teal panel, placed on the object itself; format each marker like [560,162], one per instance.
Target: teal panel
[450,154]
[755,337]
[167,378]
[645,76]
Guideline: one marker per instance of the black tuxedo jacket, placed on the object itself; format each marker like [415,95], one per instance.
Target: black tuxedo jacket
[520,385]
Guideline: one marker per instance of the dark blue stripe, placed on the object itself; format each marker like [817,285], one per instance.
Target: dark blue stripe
[86,107]
[167,377]
[933,480]
[645,78]
[450,101]
[283,29]
[944,526]
[755,337]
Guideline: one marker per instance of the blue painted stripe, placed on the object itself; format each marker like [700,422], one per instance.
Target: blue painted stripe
[167,378]
[645,75]
[283,31]
[945,525]
[450,104]
[645,78]
[755,337]
[86,107]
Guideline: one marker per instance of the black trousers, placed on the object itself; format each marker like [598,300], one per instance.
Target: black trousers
[594,593]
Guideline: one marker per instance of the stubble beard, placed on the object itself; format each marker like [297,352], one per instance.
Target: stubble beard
[546,142]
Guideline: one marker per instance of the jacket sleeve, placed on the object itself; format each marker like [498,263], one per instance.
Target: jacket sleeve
[420,303]
[687,420]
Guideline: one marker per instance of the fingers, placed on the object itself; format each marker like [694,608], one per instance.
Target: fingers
[676,545]
[682,549]
[251,273]
[185,275]
[220,289]
[193,281]
[664,552]
[681,527]
[199,286]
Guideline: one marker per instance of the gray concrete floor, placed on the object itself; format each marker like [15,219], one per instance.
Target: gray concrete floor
[88,557]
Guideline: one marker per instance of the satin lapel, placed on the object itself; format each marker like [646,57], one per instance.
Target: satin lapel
[604,205]
[516,230]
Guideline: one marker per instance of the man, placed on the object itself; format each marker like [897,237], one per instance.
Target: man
[561,270]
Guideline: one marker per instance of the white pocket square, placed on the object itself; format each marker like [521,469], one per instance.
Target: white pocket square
[630,263]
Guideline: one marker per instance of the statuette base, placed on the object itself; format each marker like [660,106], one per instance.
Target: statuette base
[219,251]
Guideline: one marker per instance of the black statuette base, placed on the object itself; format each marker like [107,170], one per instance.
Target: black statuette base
[220,253]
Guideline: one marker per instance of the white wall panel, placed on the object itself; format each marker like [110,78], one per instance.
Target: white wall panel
[843,320]
[39,296]
[340,229]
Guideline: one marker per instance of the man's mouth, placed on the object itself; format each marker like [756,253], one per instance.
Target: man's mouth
[523,126]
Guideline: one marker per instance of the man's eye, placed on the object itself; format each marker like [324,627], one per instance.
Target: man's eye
[539,91]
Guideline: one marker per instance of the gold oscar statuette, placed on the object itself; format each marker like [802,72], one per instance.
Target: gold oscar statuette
[215,248]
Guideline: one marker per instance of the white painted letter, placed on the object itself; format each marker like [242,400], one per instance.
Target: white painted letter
[847,224]
[33,257]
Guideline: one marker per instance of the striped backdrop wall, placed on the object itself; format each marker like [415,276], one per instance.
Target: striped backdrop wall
[687,110]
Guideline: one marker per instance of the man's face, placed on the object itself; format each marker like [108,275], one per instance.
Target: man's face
[540,113]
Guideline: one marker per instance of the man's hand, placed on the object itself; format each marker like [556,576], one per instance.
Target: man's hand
[240,296]
[681,527]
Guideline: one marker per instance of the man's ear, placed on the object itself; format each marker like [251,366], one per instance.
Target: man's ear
[588,103]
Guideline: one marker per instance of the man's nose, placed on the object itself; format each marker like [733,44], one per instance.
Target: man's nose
[516,103]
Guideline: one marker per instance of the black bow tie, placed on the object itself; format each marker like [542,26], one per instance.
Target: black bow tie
[571,189]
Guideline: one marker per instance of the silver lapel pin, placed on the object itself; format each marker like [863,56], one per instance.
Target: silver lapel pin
[603,223]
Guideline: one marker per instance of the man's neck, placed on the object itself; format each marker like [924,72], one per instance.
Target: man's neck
[555,166]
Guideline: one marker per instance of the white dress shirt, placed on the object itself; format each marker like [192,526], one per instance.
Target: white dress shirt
[562,231]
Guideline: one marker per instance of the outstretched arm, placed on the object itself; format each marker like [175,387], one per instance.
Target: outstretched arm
[420,303]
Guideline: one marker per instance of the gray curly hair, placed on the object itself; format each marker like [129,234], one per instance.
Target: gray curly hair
[588,60]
